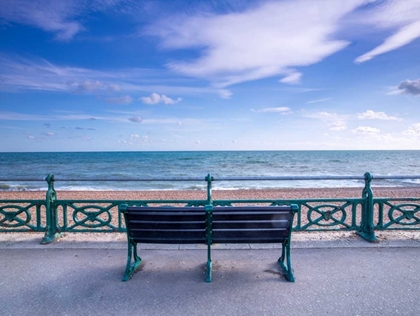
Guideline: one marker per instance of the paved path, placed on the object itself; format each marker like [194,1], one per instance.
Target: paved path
[60,279]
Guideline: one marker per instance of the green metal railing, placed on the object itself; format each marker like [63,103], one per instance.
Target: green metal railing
[365,214]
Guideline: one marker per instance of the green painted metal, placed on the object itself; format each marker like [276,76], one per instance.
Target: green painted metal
[132,251]
[397,214]
[285,260]
[22,215]
[209,240]
[366,229]
[209,179]
[134,261]
[51,232]
[364,215]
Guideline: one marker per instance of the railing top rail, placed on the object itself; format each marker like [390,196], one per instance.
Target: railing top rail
[215,178]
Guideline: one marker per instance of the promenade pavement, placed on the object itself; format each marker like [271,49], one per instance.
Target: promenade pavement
[334,276]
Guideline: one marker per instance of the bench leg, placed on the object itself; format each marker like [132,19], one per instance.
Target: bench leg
[285,263]
[209,264]
[209,271]
[131,267]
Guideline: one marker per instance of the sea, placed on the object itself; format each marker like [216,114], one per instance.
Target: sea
[186,170]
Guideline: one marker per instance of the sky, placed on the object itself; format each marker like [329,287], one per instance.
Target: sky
[146,75]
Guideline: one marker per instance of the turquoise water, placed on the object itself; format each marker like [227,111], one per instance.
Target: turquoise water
[124,165]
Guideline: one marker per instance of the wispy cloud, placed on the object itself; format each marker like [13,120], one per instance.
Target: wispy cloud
[52,16]
[334,121]
[13,116]
[281,109]
[62,18]
[366,130]
[292,78]
[126,99]
[402,17]
[270,40]
[319,100]
[371,115]
[19,73]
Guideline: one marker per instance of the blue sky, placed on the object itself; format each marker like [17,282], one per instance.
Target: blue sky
[105,75]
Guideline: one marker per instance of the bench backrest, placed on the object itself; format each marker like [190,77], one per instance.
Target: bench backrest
[251,224]
[168,225]
[219,224]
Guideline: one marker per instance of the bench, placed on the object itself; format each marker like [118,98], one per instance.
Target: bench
[208,225]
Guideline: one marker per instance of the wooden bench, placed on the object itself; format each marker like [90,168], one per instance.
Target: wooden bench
[208,225]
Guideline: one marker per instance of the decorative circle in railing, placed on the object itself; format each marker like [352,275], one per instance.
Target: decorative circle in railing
[84,216]
[326,215]
[405,214]
[18,218]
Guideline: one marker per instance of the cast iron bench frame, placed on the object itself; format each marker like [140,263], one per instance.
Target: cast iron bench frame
[208,225]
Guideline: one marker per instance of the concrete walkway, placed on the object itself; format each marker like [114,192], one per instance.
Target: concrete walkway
[339,278]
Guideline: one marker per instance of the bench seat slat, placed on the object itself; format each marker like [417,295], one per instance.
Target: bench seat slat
[149,236]
[273,212]
[247,240]
[168,225]
[165,217]
[250,216]
[250,235]
[152,240]
[252,208]
[251,224]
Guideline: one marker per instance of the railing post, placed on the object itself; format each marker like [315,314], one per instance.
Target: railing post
[366,230]
[51,232]
[209,179]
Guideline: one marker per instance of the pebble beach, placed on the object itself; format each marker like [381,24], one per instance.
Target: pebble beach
[300,193]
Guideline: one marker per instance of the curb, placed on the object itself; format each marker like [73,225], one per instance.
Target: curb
[313,240]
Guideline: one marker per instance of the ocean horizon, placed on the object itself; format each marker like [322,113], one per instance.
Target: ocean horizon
[85,169]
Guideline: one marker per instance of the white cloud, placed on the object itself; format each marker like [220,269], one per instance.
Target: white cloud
[371,115]
[366,130]
[337,126]
[49,134]
[126,99]
[401,16]
[264,41]
[281,109]
[413,130]
[155,98]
